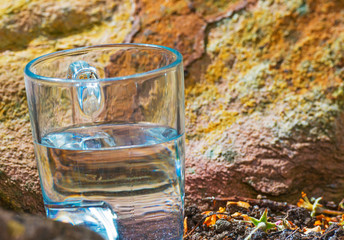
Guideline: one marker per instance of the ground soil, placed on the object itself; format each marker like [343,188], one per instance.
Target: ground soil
[230,220]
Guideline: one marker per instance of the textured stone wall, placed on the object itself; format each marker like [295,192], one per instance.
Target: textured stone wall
[264,88]
[29,29]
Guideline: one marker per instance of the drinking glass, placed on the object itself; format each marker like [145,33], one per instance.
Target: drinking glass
[108,129]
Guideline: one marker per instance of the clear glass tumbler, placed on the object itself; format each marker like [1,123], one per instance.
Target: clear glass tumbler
[108,129]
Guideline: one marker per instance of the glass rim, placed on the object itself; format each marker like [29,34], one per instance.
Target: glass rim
[164,69]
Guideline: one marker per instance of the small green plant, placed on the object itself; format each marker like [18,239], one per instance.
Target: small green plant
[315,207]
[262,224]
[305,203]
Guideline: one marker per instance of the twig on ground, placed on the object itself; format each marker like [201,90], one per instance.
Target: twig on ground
[291,235]
[278,205]
[327,233]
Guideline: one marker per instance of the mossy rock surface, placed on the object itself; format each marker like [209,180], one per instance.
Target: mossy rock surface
[264,87]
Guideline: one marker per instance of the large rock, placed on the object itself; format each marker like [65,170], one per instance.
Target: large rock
[264,95]
[29,29]
[268,116]
[25,227]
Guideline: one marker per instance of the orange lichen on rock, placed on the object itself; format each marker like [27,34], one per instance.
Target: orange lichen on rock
[278,65]
[180,24]
[276,54]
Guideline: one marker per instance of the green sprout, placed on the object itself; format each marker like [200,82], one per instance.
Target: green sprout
[305,203]
[315,207]
[262,224]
